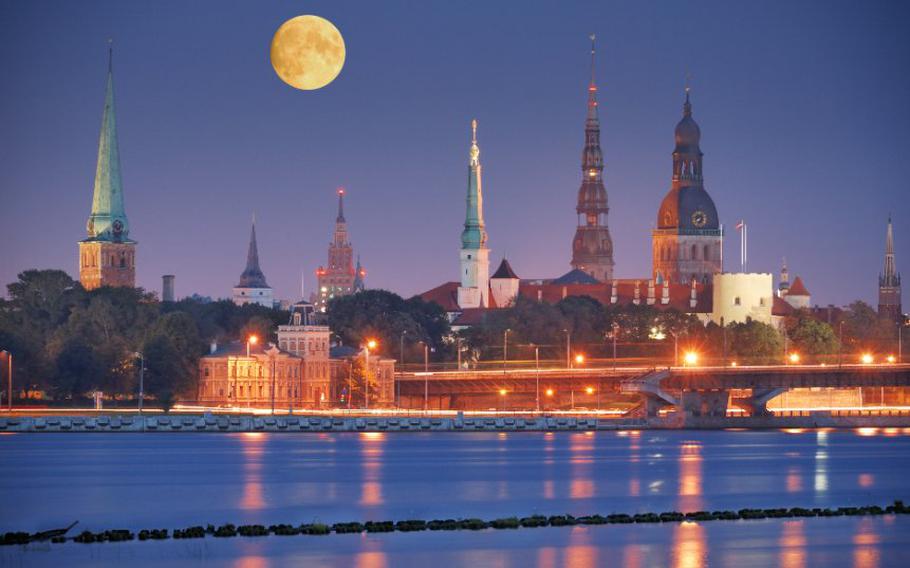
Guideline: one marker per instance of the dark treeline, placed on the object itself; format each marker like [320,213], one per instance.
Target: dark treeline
[68,342]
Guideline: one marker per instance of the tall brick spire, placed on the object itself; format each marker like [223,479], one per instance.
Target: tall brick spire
[592,247]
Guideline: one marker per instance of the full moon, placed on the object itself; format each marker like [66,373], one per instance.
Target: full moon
[307,52]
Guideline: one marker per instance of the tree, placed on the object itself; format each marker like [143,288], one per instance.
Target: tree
[384,316]
[77,369]
[812,337]
[755,342]
[361,376]
[167,374]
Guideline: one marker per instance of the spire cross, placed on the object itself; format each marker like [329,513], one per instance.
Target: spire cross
[474,131]
[110,55]
[592,36]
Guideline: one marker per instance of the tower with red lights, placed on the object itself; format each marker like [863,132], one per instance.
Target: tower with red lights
[338,277]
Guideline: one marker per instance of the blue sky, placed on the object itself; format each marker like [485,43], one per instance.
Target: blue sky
[802,105]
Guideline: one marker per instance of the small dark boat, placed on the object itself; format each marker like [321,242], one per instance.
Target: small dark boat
[47,535]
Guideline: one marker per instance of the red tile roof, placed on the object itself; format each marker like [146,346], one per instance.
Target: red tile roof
[446,295]
[798,288]
[780,307]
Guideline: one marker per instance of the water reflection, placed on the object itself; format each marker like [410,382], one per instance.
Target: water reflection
[252,445]
[371,450]
[794,480]
[546,557]
[690,477]
[792,544]
[581,553]
[866,543]
[251,562]
[581,484]
[689,545]
[371,559]
[634,459]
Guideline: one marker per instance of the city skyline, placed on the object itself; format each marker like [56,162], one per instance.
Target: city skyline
[199,167]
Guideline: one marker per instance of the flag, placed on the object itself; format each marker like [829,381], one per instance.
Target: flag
[740,225]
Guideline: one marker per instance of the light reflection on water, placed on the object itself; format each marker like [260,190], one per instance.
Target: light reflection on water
[866,545]
[793,544]
[689,545]
[690,477]
[252,445]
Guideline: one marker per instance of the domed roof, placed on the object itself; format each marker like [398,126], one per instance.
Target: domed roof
[688,209]
[688,134]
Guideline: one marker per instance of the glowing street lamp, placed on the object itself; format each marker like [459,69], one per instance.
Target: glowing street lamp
[793,358]
[733,364]
[891,359]
[589,390]
[371,344]
[867,359]
[690,358]
[549,392]
[503,392]
[251,340]
[579,359]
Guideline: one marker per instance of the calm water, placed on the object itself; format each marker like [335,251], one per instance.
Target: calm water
[177,480]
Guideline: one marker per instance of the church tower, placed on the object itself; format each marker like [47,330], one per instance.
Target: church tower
[338,278]
[474,291]
[592,247]
[252,288]
[108,256]
[688,242]
[889,283]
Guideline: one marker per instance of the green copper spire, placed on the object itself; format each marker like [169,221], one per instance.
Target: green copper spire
[474,236]
[108,220]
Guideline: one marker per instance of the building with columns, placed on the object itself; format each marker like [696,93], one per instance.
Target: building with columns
[252,288]
[474,291]
[107,257]
[688,241]
[249,376]
[889,283]
[310,342]
[592,246]
[339,277]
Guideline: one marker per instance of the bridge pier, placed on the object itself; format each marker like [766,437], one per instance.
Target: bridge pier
[705,403]
[757,404]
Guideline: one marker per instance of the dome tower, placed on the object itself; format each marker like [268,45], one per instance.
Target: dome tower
[688,240]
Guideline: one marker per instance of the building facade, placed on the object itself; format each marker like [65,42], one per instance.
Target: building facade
[310,343]
[592,246]
[740,296]
[688,241]
[107,257]
[339,277]
[265,375]
[474,291]
[253,288]
[889,283]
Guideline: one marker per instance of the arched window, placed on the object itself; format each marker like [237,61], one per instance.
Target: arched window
[707,252]
[694,252]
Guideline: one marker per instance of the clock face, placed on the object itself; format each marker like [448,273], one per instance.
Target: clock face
[699,219]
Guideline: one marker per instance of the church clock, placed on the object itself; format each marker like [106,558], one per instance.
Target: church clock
[699,219]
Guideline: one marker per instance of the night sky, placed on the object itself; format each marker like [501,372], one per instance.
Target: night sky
[803,108]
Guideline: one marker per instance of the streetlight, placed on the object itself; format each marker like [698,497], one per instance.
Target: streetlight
[9,378]
[371,344]
[891,359]
[867,359]
[141,378]
[503,393]
[691,358]
[579,359]
[615,334]
[251,340]
[505,348]
[793,358]
[458,349]
[401,355]
[537,376]
[350,382]
[568,348]
[426,376]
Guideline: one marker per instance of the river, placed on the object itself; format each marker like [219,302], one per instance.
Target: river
[170,480]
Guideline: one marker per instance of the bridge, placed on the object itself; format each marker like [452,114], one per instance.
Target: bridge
[695,390]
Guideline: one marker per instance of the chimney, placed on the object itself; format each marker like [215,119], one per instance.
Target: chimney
[167,288]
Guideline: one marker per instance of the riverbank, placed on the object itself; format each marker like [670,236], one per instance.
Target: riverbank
[315,423]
